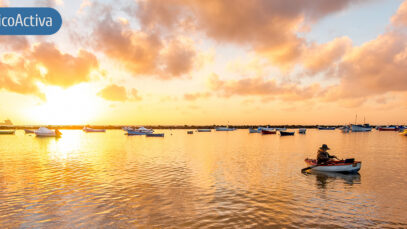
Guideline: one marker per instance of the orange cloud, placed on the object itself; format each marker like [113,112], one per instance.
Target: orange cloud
[43,63]
[113,93]
[376,67]
[195,96]
[14,80]
[269,26]
[117,93]
[318,58]
[62,69]
[143,52]
[261,87]
[400,18]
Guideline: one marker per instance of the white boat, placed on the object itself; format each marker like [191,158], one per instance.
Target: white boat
[223,128]
[27,131]
[302,131]
[90,130]
[281,129]
[140,131]
[252,131]
[7,132]
[361,128]
[342,166]
[45,132]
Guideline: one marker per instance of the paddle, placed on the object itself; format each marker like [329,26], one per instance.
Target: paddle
[310,167]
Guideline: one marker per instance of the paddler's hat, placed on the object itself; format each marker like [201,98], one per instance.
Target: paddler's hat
[324,147]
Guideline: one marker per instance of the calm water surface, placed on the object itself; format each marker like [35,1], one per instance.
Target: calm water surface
[218,179]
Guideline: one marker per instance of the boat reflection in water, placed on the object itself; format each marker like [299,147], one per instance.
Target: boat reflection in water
[323,179]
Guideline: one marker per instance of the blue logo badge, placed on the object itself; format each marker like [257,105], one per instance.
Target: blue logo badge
[29,21]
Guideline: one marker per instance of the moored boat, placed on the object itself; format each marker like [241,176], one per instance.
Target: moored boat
[345,129]
[361,128]
[190,132]
[45,132]
[7,132]
[27,131]
[404,133]
[223,128]
[140,131]
[268,131]
[155,135]
[91,130]
[302,130]
[252,131]
[342,166]
[286,133]
[326,128]
[204,130]
[388,128]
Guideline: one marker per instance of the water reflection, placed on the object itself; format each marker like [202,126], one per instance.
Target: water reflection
[221,180]
[323,179]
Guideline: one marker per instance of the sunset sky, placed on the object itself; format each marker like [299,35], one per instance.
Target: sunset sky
[176,62]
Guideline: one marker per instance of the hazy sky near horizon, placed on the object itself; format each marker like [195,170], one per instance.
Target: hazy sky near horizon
[209,62]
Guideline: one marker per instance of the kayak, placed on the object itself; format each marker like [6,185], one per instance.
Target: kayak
[342,166]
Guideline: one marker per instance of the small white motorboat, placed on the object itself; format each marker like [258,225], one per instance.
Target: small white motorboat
[91,130]
[140,131]
[45,132]
[224,128]
[341,166]
[7,131]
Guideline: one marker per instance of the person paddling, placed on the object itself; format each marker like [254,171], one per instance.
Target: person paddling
[323,156]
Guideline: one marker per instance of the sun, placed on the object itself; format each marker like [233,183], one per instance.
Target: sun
[76,105]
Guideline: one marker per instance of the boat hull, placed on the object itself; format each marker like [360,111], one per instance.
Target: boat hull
[388,129]
[46,135]
[338,166]
[268,131]
[224,129]
[359,128]
[7,132]
[131,132]
[286,133]
[204,130]
[326,128]
[94,130]
[155,135]
[253,131]
[302,131]
[28,131]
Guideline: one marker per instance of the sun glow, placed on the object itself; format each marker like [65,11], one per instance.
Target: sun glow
[75,105]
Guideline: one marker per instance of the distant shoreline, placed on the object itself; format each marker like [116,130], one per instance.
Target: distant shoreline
[113,127]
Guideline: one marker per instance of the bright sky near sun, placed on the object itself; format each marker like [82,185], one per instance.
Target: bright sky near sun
[209,62]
